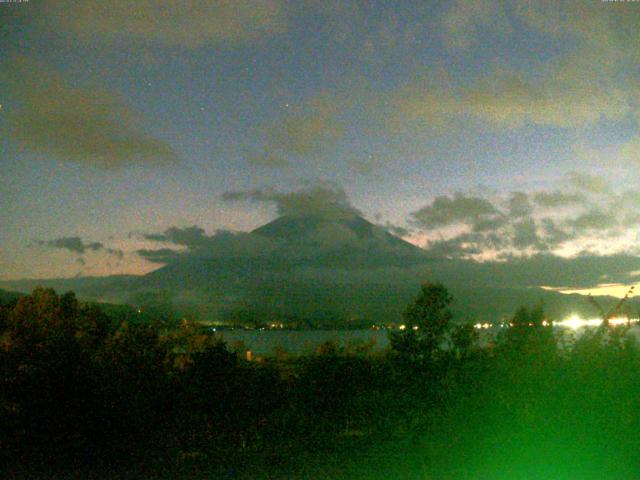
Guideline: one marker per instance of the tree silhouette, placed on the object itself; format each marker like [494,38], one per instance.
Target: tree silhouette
[615,311]
[426,323]
[529,333]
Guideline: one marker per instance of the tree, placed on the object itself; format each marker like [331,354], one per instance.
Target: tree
[529,332]
[464,338]
[46,370]
[426,324]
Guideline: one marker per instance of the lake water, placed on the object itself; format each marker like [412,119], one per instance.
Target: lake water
[298,342]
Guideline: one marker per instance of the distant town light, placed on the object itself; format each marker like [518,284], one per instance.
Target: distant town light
[575,322]
[621,321]
[483,325]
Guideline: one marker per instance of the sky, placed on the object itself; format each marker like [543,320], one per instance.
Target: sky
[488,130]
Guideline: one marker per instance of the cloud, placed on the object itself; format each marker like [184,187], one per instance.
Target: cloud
[593,220]
[196,242]
[190,237]
[445,211]
[555,235]
[470,244]
[608,27]
[161,255]
[324,200]
[489,231]
[397,230]
[370,165]
[119,254]
[631,219]
[525,234]
[371,33]
[84,125]
[222,244]
[462,246]
[626,208]
[519,235]
[302,132]
[589,183]
[473,226]
[73,244]
[489,223]
[465,19]
[519,205]
[629,151]
[587,83]
[190,23]
[557,199]
[564,95]
[77,245]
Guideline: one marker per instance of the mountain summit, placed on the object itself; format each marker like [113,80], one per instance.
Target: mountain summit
[347,242]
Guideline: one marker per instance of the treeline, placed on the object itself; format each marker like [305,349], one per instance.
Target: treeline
[84,394]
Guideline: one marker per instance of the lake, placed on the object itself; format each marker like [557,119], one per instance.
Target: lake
[300,342]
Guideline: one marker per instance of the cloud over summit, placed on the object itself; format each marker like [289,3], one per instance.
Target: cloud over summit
[323,200]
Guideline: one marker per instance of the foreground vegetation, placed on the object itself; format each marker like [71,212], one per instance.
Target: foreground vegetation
[85,395]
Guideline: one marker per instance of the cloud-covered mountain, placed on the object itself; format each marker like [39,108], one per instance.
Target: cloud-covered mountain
[335,270]
[320,262]
[288,245]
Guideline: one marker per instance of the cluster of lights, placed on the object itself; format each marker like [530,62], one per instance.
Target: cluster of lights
[481,326]
[404,327]
[574,322]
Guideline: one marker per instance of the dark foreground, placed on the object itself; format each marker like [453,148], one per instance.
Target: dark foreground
[83,395]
